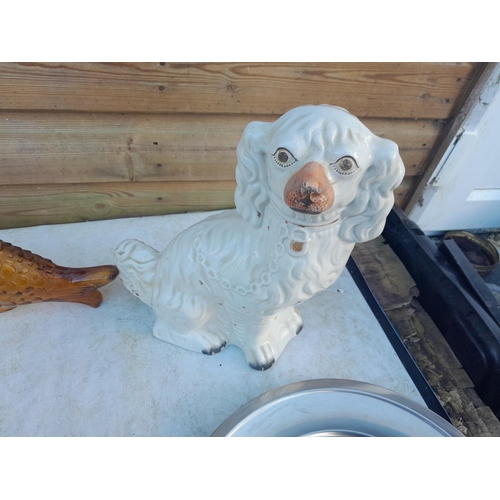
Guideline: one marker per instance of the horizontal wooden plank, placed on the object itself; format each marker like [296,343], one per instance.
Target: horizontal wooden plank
[22,206]
[415,138]
[40,148]
[403,192]
[398,90]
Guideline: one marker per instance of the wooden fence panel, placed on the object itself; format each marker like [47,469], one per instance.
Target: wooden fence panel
[391,90]
[37,148]
[90,141]
[62,203]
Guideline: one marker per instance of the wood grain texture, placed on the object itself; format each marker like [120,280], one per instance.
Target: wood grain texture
[54,148]
[402,193]
[32,205]
[395,90]
[90,141]
[22,206]
[395,289]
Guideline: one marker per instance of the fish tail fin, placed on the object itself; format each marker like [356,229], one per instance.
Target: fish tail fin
[88,297]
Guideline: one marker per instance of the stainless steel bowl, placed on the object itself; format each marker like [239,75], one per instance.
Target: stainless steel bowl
[334,407]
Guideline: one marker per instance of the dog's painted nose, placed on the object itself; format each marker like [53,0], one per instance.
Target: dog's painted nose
[309,191]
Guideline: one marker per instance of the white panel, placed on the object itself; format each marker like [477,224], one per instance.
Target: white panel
[464,192]
[484,195]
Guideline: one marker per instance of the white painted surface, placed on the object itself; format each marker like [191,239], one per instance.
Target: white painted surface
[464,192]
[70,370]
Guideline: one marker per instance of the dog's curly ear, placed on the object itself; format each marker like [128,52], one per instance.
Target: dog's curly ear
[251,196]
[364,218]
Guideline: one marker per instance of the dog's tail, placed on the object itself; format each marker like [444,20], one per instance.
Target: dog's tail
[137,264]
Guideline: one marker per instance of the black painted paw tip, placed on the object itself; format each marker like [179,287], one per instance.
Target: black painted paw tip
[215,350]
[261,368]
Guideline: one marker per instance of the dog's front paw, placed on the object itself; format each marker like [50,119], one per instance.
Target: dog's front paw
[295,322]
[214,350]
[262,358]
[261,368]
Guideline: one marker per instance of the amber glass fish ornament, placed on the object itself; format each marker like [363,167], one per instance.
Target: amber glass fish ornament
[26,278]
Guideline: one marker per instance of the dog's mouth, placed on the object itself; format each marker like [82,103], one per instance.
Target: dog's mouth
[306,200]
[320,225]
[309,191]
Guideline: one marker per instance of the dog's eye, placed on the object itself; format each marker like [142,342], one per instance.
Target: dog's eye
[346,165]
[283,157]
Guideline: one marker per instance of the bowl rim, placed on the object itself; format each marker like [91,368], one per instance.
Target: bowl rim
[487,247]
[258,404]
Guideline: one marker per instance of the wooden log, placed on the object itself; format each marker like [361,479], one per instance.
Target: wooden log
[40,148]
[396,90]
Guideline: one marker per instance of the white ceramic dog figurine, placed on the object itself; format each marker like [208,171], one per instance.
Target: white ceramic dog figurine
[310,186]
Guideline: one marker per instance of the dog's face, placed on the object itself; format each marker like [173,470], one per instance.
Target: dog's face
[314,166]
[318,165]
